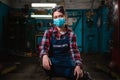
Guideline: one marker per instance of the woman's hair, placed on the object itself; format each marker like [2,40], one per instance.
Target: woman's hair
[58,8]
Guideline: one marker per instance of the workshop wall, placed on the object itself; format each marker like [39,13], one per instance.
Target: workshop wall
[97,33]
[93,34]
[105,31]
[4,10]
[90,33]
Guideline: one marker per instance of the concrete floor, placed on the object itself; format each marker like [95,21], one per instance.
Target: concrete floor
[30,69]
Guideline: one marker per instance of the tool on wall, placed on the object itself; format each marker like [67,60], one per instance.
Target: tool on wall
[102,4]
[25,10]
[90,13]
[113,11]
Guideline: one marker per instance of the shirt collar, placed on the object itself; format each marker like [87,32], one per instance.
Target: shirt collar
[56,30]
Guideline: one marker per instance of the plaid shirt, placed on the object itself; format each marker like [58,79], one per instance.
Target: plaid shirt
[45,44]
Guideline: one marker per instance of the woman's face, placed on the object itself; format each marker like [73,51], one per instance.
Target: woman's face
[57,14]
[59,19]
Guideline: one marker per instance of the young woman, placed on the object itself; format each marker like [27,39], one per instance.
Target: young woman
[58,49]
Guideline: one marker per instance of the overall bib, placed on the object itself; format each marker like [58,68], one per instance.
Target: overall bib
[62,63]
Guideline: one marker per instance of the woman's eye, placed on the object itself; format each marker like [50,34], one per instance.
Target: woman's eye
[55,17]
[58,16]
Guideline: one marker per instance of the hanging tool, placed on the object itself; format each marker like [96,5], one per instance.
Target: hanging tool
[90,13]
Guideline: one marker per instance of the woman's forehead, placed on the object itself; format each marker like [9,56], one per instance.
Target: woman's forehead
[57,13]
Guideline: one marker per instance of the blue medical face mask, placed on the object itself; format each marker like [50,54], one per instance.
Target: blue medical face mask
[59,22]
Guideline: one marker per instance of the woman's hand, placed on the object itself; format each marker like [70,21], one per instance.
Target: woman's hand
[46,62]
[78,72]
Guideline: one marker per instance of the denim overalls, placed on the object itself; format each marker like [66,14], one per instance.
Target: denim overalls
[62,63]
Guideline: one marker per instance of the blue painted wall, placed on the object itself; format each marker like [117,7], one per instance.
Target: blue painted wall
[93,38]
[4,9]
[90,34]
[78,32]
[105,31]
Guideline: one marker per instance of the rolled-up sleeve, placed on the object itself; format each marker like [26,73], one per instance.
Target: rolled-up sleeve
[44,44]
[75,53]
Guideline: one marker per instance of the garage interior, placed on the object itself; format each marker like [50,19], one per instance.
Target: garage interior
[95,22]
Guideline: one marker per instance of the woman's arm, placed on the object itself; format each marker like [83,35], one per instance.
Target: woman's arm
[44,47]
[78,72]
[44,44]
[75,53]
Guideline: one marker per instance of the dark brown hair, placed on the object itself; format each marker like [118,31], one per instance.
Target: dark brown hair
[58,8]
